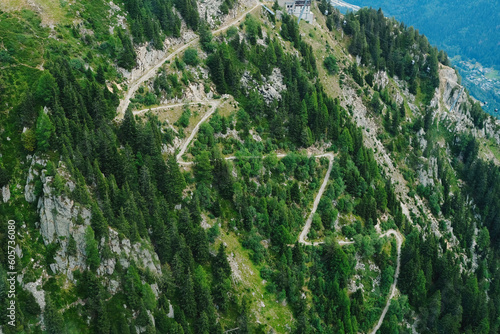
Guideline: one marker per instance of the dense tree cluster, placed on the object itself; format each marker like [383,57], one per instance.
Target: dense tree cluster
[131,187]
[151,20]
[385,44]
[121,174]
[461,28]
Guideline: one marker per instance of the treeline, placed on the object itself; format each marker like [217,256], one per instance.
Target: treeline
[452,294]
[450,300]
[483,183]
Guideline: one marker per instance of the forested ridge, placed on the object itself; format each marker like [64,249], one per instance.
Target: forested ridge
[462,28]
[154,246]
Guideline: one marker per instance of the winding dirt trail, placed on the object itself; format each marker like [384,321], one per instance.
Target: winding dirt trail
[133,86]
[307,225]
[186,143]
[392,293]
[169,106]
[120,112]
[216,103]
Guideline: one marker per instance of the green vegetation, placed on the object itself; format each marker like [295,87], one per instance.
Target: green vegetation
[214,241]
[448,25]
[371,40]
[191,57]
[330,64]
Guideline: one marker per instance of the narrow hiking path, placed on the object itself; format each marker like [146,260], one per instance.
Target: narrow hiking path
[124,103]
[307,225]
[392,291]
[186,143]
[133,86]
[170,106]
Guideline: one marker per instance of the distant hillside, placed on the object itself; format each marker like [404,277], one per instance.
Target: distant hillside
[468,28]
[468,31]
[189,167]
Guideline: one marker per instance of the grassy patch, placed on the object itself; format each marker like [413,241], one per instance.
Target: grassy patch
[264,307]
[51,11]
[324,43]
[489,150]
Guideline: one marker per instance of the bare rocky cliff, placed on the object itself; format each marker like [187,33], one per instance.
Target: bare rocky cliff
[63,219]
[453,105]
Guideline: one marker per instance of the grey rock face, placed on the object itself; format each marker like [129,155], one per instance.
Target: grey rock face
[33,174]
[126,251]
[6,193]
[107,267]
[170,311]
[271,88]
[36,290]
[58,224]
[56,213]
[381,79]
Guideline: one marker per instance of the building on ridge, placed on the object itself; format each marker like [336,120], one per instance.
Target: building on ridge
[295,7]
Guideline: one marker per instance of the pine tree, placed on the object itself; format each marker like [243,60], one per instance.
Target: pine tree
[223,179]
[46,90]
[175,181]
[186,295]
[122,224]
[143,317]
[102,324]
[221,264]
[54,321]
[128,128]
[98,222]
[203,168]
[100,78]
[44,131]
[205,37]
[160,238]
[91,250]
[127,57]
[243,321]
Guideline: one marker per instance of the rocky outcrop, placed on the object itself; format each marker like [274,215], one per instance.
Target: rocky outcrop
[215,18]
[33,174]
[59,215]
[5,193]
[381,79]
[57,212]
[211,10]
[37,292]
[451,94]
[426,176]
[271,87]
[147,56]
[126,252]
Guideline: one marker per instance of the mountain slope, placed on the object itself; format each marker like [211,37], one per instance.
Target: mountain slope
[262,177]
[448,25]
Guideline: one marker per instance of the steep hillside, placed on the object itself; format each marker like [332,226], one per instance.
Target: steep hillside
[185,167]
[447,24]
[466,30]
